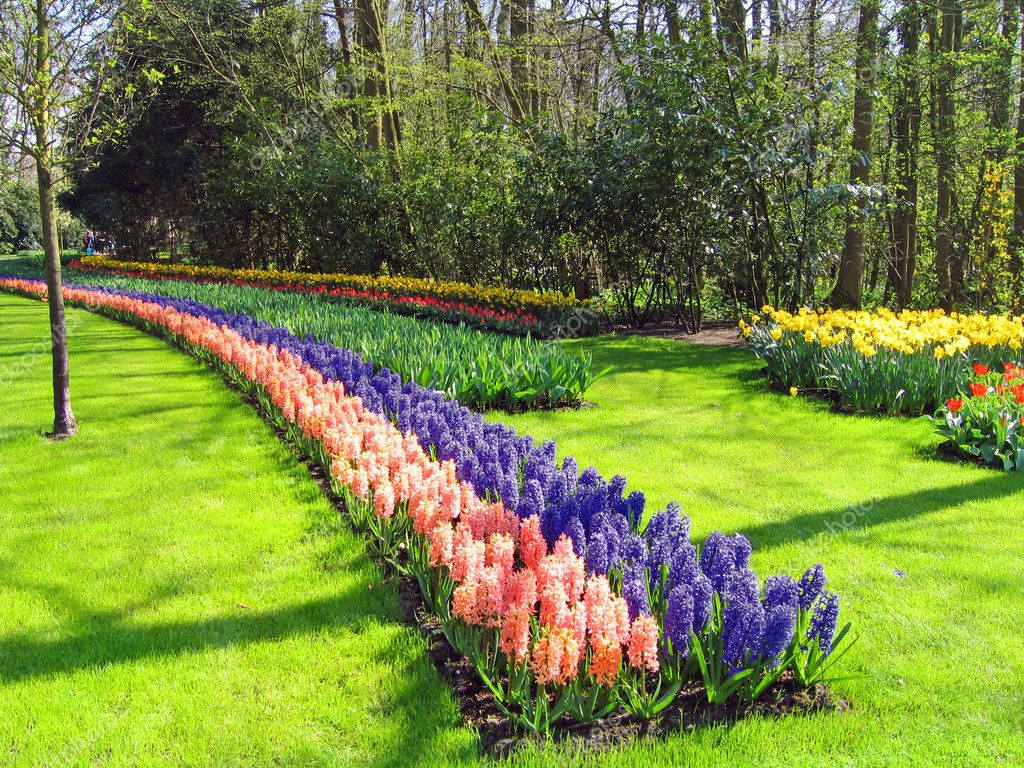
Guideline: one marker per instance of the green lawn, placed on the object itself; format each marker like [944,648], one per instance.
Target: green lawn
[128,551]
[175,590]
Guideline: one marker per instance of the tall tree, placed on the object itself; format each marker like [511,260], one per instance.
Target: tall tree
[1017,241]
[46,76]
[385,129]
[732,25]
[850,283]
[907,130]
[945,76]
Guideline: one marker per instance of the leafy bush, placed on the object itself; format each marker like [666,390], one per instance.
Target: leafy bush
[984,422]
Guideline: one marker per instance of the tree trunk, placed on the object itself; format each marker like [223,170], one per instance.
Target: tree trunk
[1018,183]
[673,21]
[384,129]
[907,120]
[64,423]
[850,283]
[519,67]
[944,153]
[732,24]
[345,85]
[774,34]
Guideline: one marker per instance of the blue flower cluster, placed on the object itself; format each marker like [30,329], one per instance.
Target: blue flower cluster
[657,563]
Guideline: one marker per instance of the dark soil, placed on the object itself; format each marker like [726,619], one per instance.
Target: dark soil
[690,710]
[949,451]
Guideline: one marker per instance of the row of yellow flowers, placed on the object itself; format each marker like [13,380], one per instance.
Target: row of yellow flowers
[505,298]
[907,331]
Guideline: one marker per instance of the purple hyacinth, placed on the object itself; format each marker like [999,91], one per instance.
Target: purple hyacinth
[743,623]
[666,533]
[633,549]
[703,600]
[597,554]
[574,530]
[723,556]
[683,568]
[532,501]
[634,591]
[779,628]
[509,491]
[823,623]
[679,618]
[812,586]
[552,524]
[781,591]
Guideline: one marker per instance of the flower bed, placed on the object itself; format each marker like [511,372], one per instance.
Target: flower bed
[906,363]
[548,580]
[984,422]
[497,309]
[482,370]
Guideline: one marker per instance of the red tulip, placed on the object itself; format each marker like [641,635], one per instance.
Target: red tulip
[954,404]
[980,369]
[979,390]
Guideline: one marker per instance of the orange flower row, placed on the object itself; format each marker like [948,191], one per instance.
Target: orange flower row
[547,614]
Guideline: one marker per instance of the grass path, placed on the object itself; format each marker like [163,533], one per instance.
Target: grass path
[127,551]
[173,587]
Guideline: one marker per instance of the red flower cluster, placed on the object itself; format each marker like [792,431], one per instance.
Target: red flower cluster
[1011,373]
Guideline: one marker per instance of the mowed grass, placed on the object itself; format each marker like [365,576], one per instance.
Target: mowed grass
[175,590]
[128,550]
[925,553]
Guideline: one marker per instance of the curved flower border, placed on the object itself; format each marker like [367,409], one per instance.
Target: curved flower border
[547,579]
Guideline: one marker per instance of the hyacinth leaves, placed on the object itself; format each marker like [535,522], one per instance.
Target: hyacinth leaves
[479,369]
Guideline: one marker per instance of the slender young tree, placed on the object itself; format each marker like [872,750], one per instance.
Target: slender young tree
[47,76]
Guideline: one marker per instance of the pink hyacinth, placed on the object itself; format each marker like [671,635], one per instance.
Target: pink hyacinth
[643,643]
[532,547]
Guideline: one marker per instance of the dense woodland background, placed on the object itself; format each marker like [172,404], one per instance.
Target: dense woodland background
[682,158]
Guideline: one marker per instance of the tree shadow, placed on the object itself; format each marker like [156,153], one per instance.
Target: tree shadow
[872,513]
[110,637]
[637,354]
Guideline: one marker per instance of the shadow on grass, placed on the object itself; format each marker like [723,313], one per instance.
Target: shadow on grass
[112,639]
[638,354]
[871,513]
